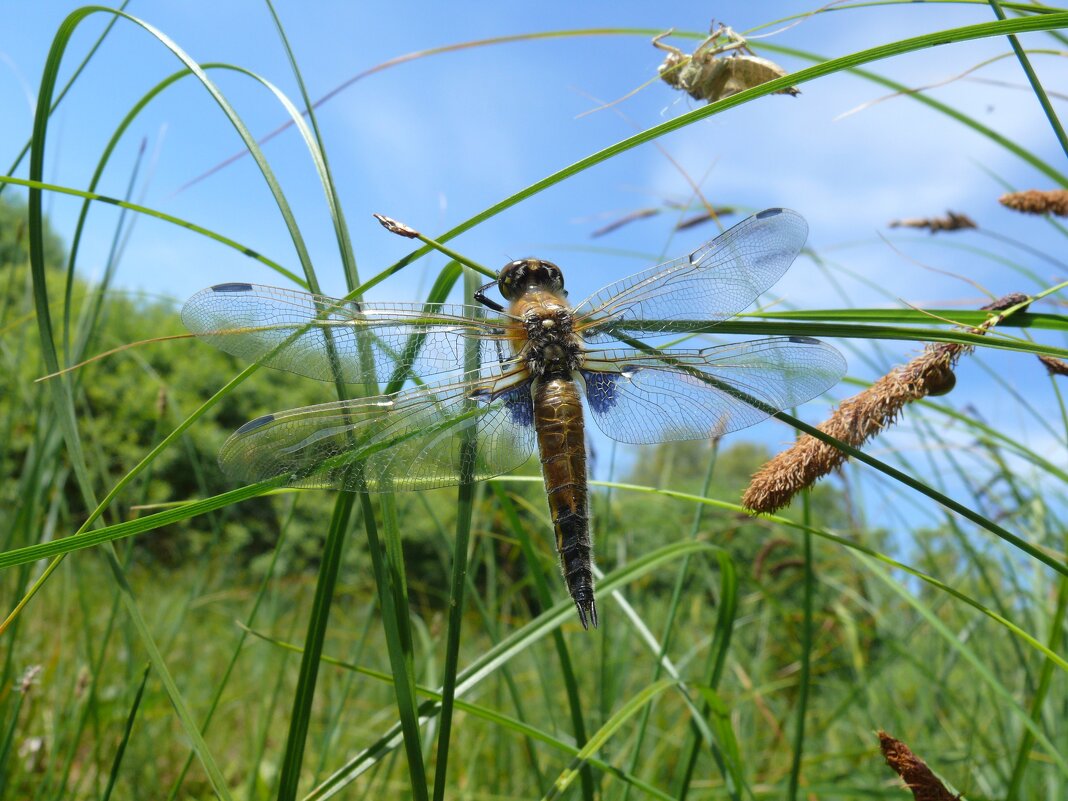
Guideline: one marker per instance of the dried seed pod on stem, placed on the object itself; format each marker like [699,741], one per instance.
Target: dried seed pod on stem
[862,417]
[919,778]
[951,222]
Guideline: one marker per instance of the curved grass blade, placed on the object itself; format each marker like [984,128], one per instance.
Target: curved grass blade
[726,614]
[1036,84]
[483,713]
[485,664]
[803,679]
[127,730]
[827,67]
[673,608]
[313,647]
[599,738]
[464,508]
[1038,700]
[159,215]
[969,655]
[66,87]
[1041,321]
[337,216]
[1060,661]
[224,679]
[563,656]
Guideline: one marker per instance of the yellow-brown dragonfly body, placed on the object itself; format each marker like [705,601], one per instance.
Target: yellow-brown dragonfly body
[552,350]
[535,362]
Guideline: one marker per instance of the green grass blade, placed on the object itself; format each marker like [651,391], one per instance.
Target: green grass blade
[1036,85]
[1038,701]
[130,718]
[483,666]
[464,508]
[967,33]
[600,738]
[726,615]
[87,538]
[393,602]
[159,215]
[563,655]
[871,553]
[235,655]
[337,216]
[1028,320]
[482,712]
[668,628]
[313,647]
[981,670]
[807,626]
[67,86]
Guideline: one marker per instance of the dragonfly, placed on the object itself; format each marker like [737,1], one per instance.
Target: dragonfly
[480,388]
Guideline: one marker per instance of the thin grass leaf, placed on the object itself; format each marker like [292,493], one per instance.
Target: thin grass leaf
[313,647]
[464,508]
[969,654]
[563,655]
[236,653]
[159,215]
[601,737]
[1041,694]
[1027,320]
[827,67]
[483,712]
[126,732]
[806,647]
[673,608]
[1036,85]
[844,541]
[484,665]
[726,616]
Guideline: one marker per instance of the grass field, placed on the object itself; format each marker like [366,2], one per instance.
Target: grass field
[171,634]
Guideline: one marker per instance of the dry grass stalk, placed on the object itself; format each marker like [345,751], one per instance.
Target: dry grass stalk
[925,786]
[1054,366]
[951,222]
[640,214]
[862,417]
[1038,201]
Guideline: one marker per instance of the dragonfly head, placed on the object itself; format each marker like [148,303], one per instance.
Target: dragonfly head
[521,275]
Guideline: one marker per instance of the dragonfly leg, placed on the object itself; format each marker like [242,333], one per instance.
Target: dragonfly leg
[480,296]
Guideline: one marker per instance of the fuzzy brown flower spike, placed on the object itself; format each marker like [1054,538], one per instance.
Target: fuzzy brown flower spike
[862,417]
[925,786]
[1038,201]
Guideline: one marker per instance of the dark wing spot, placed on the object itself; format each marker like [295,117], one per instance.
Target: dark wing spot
[763,215]
[232,288]
[253,424]
[805,340]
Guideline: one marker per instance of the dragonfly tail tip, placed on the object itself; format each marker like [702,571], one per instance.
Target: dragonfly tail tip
[587,611]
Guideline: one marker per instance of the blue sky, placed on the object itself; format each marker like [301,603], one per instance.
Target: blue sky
[435,141]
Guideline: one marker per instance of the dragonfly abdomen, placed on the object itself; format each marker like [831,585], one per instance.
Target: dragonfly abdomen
[562,448]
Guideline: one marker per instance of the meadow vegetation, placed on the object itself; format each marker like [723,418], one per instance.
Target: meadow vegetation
[744,657]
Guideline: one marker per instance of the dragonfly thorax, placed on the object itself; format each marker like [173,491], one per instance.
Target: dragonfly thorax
[552,348]
[521,276]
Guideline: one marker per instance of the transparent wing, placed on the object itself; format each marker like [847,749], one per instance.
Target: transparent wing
[290,330]
[713,283]
[410,440]
[696,394]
